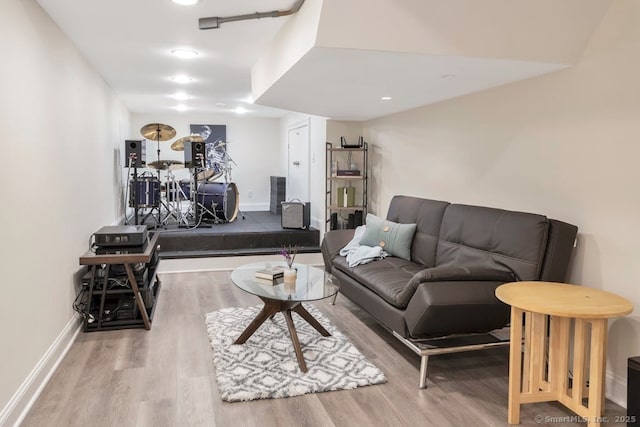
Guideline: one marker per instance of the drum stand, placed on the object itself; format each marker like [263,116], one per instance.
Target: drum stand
[157,218]
[194,205]
[133,157]
[198,204]
[190,211]
[174,207]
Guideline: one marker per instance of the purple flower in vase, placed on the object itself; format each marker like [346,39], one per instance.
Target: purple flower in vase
[289,255]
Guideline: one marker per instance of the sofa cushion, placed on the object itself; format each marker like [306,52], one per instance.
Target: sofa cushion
[480,237]
[427,215]
[387,277]
[391,236]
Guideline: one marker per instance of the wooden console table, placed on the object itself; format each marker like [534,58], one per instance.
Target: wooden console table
[127,257]
[549,309]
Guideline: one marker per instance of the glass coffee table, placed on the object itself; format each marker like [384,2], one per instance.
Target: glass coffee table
[311,284]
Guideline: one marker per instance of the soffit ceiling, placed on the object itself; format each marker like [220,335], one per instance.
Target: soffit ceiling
[128,43]
[344,60]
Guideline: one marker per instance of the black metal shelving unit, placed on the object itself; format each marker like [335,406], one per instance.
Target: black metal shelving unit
[360,182]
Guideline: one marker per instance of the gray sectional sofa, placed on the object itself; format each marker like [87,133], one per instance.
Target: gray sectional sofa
[459,255]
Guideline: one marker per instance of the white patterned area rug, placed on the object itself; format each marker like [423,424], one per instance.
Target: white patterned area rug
[266,367]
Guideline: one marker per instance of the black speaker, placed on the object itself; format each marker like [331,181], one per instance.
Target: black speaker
[334,221]
[194,154]
[135,149]
[358,218]
[633,391]
[351,221]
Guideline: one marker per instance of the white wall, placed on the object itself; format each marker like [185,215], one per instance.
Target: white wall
[253,144]
[62,128]
[317,158]
[565,145]
[351,130]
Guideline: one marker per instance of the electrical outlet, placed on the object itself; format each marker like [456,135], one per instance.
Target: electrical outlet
[250,194]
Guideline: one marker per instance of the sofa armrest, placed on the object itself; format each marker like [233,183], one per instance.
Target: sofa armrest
[451,273]
[455,307]
[332,242]
[459,273]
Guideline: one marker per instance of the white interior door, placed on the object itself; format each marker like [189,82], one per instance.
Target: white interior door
[298,163]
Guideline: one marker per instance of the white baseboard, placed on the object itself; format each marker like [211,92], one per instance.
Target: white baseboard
[616,389]
[315,222]
[249,207]
[20,403]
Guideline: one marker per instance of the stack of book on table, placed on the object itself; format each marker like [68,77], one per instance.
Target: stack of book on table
[270,275]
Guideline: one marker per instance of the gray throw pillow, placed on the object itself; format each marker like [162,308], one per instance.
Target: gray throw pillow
[394,238]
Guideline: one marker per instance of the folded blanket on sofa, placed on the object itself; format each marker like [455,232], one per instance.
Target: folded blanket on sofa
[360,254]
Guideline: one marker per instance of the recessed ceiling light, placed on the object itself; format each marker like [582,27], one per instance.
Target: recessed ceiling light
[385,98]
[185,2]
[220,104]
[181,107]
[181,96]
[181,78]
[447,76]
[240,110]
[184,53]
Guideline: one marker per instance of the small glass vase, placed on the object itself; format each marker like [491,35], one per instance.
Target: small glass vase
[290,275]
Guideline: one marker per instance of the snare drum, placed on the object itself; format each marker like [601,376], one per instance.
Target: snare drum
[146,194]
[219,197]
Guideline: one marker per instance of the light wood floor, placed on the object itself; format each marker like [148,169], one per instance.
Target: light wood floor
[165,376]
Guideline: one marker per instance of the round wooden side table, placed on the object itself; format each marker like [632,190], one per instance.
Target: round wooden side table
[539,365]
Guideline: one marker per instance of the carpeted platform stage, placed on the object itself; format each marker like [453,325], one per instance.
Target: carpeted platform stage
[259,233]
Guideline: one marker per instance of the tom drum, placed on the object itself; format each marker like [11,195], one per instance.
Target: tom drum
[144,193]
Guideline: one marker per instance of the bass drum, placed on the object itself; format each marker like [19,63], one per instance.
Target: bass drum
[147,192]
[221,198]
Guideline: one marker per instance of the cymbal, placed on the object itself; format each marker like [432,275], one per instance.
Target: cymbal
[179,144]
[158,132]
[166,164]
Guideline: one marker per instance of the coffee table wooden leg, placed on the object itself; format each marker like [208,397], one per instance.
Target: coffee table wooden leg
[267,311]
[515,362]
[311,320]
[294,339]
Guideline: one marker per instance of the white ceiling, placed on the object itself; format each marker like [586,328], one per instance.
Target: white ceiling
[128,42]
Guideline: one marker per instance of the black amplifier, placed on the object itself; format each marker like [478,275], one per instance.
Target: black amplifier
[296,215]
[121,235]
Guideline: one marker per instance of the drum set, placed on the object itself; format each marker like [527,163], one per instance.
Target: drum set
[185,202]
